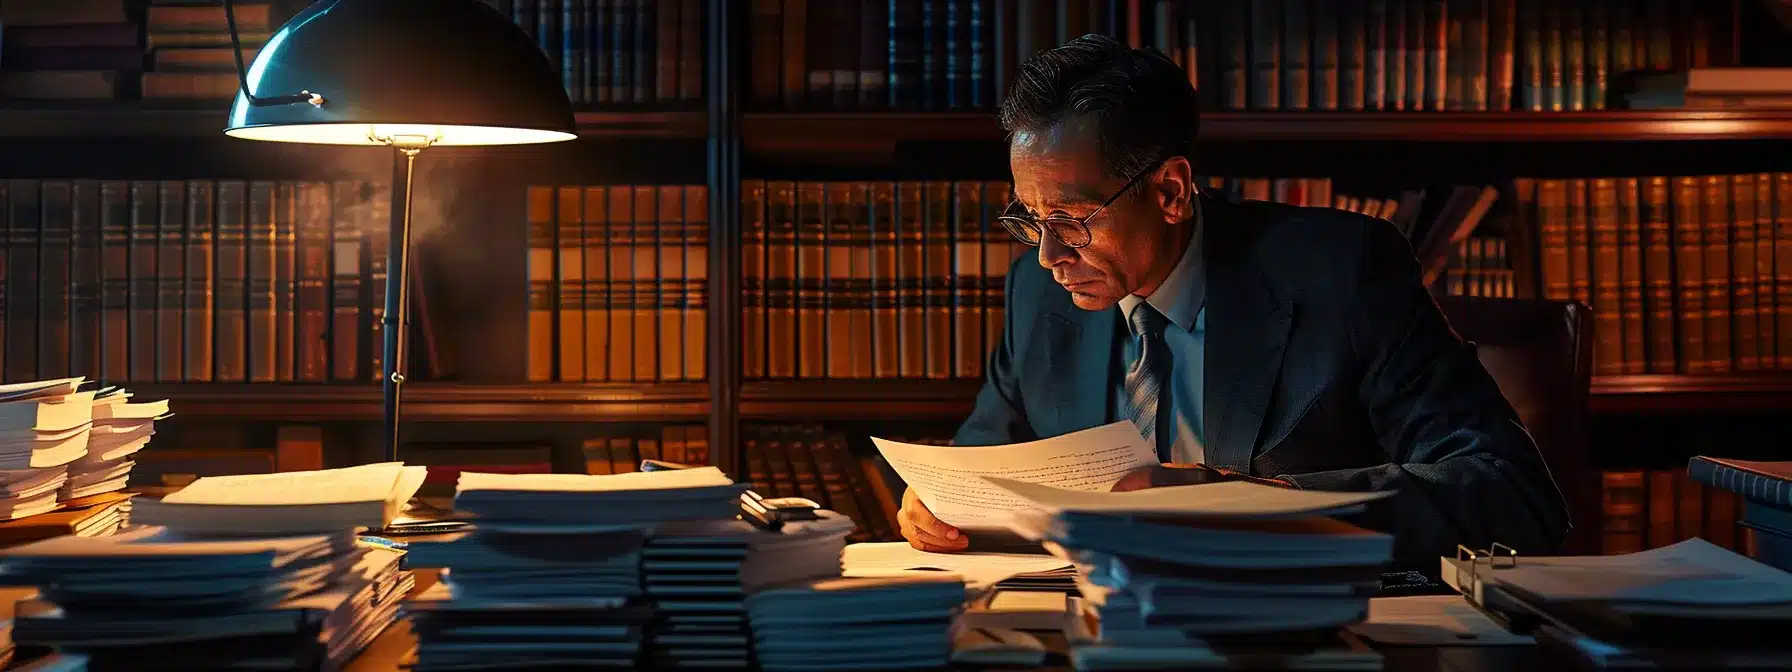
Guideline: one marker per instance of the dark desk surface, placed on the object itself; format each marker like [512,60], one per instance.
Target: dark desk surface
[389,651]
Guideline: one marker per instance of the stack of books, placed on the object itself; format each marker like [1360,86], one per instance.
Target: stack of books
[877,623]
[551,572]
[1766,501]
[67,51]
[1224,573]
[698,574]
[190,52]
[238,571]
[120,429]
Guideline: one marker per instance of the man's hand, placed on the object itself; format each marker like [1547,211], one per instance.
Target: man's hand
[925,532]
[1164,475]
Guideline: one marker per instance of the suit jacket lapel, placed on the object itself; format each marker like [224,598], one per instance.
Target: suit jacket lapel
[1247,331]
[1082,347]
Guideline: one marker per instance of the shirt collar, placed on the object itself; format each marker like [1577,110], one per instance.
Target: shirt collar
[1182,294]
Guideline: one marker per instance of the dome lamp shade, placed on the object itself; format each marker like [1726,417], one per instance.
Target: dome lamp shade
[423,73]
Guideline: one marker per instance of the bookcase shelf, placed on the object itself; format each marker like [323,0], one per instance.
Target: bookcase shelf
[144,121]
[857,399]
[952,399]
[548,402]
[1657,125]
[1691,394]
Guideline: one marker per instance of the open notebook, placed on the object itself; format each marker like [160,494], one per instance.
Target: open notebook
[296,502]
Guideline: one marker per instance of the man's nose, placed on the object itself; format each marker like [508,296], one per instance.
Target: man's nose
[1052,252]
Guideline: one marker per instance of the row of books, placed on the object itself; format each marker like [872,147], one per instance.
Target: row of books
[1652,508]
[1685,274]
[618,52]
[1479,267]
[1432,55]
[618,280]
[897,279]
[192,280]
[816,463]
[99,50]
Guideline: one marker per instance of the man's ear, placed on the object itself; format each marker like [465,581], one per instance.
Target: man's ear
[1174,189]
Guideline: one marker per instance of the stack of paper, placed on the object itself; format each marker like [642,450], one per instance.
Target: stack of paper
[91,516]
[883,623]
[293,502]
[120,429]
[979,571]
[44,425]
[1173,571]
[1692,604]
[302,602]
[697,574]
[551,573]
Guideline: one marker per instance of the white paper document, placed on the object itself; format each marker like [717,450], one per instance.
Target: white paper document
[977,569]
[1433,620]
[947,478]
[1230,499]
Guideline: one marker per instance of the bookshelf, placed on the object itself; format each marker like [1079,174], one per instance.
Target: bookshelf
[1348,127]
[148,121]
[592,402]
[151,121]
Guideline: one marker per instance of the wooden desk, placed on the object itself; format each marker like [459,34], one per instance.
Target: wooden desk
[392,647]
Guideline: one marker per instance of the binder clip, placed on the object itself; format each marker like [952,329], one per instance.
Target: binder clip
[1490,599]
[771,514]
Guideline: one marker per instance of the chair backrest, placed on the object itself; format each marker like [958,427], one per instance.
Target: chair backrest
[1541,354]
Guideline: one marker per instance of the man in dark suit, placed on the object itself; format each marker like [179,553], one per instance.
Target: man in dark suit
[1247,340]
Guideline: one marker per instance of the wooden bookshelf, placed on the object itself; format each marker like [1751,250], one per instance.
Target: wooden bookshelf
[552,402]
[1620,125]
[1692,394]
[857,399]
[952,399]
[145,121]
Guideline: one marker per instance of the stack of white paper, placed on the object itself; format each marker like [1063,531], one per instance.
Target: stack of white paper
[120,429]
[879,623]
[304,602]
[286,503]
[44,425]
[1171,571]
[551,573]
[698,572]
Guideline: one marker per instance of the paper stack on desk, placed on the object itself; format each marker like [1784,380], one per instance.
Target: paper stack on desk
[1688,605]
[121,427]
[150,599]
[873,623]
[218,590]
[698,572]
[551,573]
[1171,572]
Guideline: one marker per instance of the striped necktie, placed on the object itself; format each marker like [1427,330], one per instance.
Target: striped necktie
[1145,378]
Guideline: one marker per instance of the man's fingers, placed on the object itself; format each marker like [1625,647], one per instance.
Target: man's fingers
[920,517]
[921,540]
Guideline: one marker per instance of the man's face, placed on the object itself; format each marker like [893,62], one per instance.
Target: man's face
[1127,240]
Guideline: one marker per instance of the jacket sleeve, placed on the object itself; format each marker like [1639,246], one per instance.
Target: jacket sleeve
[1465,469]
[998,416]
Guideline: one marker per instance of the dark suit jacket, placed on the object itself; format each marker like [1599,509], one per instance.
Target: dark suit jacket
[1328,364]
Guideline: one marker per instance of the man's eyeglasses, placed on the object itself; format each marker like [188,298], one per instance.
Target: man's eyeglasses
[1073,232]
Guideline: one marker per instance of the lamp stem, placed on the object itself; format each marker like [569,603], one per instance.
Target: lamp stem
[242,73]
[396,322]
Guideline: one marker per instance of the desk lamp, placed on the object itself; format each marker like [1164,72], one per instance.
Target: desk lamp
[404,74]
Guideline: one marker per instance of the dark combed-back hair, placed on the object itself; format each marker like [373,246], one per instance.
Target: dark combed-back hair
[1137,102]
